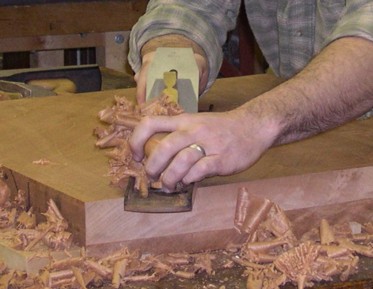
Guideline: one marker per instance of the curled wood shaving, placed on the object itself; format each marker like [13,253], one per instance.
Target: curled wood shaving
[42,162]
[250,211]
[23,232]
[326,233]
[274,256]
[122,118]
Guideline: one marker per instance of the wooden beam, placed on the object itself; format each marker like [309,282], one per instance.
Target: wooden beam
[50,58]
[69,18]
[343,195]
[47,51]
[113,54]
[319,176]
[51,42]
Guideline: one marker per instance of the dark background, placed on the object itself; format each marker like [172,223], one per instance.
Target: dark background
[29,2]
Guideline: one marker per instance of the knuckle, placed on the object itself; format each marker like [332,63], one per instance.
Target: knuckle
[136,77]
[151,172]
[165,146]
[146,121]
[167,182]
[209,167]
[204,167]
[183,157]
[198,130]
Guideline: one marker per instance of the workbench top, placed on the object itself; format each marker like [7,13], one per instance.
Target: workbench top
[60,129]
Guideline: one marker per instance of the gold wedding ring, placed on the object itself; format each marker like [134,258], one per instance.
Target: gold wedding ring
[198,148]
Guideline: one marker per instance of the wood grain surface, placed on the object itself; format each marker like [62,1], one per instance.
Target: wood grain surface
[69,18]
[60,129]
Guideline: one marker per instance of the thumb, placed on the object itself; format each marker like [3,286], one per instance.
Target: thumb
[141,77]
[203,71]
[140,87]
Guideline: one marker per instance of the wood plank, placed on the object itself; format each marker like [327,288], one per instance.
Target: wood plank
[113,54]
[51,42]
[342,195]
[60,128]
[50,58]
[69,18]
[111,48]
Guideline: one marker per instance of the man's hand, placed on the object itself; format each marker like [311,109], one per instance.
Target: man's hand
[230,144]
[333,89]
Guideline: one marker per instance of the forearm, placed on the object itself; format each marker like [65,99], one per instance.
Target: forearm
[204,22]
[334,88]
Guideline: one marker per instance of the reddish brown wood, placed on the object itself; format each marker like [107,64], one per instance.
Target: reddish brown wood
[333,169]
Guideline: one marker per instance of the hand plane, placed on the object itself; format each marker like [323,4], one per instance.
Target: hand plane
[173,72]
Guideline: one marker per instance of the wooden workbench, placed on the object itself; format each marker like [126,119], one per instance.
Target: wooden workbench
[332,169]
[49,27]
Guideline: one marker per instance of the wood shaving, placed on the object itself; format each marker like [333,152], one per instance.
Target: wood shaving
[273,255]
[122,118]
[44,162]
[118,268]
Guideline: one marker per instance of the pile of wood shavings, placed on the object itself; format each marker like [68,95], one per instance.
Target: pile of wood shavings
[19,228]
[122,117]
[117,269]
[273,255]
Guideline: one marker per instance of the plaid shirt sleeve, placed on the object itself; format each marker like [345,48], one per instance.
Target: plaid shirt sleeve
[289,33]
[205,22]
[356,21]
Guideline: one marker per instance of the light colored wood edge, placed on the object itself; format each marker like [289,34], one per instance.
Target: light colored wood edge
[33,261]
[30,262]
[191,242]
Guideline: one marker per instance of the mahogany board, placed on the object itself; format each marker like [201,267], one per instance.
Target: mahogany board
[59,128]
